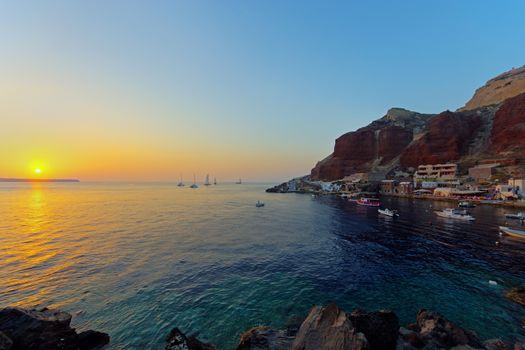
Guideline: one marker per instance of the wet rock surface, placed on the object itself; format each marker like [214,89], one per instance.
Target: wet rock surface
[176,340]
[262,338]
[517,295]
[44,329]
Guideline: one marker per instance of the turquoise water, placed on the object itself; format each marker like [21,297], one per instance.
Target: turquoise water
[136,260]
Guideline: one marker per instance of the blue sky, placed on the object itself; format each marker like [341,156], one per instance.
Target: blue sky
[276,81]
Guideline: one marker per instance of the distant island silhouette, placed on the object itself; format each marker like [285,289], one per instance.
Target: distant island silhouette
[37,180]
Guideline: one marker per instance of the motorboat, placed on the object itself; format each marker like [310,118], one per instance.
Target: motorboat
[519,216]
[388,212]
[466,204]
[259,204]
[369,202]
[512,232]
[452,213]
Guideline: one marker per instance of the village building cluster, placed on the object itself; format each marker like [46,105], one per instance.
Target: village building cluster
[481,182]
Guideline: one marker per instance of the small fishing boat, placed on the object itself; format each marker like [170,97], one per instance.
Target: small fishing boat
[519,216]
[239,182]
[452,213]
[214,181]
[388,212]
[466,204]
[259,204]
[512,232]
[369,202]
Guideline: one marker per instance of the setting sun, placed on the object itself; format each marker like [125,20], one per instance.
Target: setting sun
[38,171]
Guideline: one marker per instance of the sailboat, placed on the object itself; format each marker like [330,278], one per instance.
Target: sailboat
[180,184]
[239,182]
[194,185]
[214,181]
[207,181]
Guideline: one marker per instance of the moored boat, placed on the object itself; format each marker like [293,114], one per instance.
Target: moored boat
[519,216]
[466,204]
[369,202]
[259,204]
[180,184]
[452,213]
[388,212]
[194,184]
[512,232]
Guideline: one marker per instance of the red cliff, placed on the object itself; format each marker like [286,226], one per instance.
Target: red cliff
[491,126]
[508,132]
[448,136]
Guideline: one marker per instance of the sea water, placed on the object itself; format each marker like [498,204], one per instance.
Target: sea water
[137,259]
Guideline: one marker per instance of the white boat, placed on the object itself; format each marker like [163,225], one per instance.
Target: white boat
[207,181]
[194,184]
[259,204]
[388,212]
[512,232]
[519,216]
[452,213]
[181,184]
[466,204]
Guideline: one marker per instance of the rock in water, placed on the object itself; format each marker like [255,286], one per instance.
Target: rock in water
[517,295]
[265,338]
[328,328]
[177,340]
[498,344]
[380,328]
[436,331]
[46,329]
[92,339]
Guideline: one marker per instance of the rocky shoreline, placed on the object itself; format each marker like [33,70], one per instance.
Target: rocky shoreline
[24,329]
[325,328]
[331,328]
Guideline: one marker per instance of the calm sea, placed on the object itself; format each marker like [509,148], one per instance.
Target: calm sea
[135,260]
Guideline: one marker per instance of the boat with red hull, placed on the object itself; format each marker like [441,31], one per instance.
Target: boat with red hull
[369,202]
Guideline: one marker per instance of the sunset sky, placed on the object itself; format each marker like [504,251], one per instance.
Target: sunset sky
[147,90]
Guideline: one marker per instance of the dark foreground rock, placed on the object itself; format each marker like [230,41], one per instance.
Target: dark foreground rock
[380,328]
[331,328]
[44,329]
[262,338]
[328,328]
[177,340]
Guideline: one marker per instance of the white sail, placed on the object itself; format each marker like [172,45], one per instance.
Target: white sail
[207,181]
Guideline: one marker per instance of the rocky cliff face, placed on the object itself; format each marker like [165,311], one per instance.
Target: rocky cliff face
[491,125]
[508,132]
[498,89]
[374,147]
